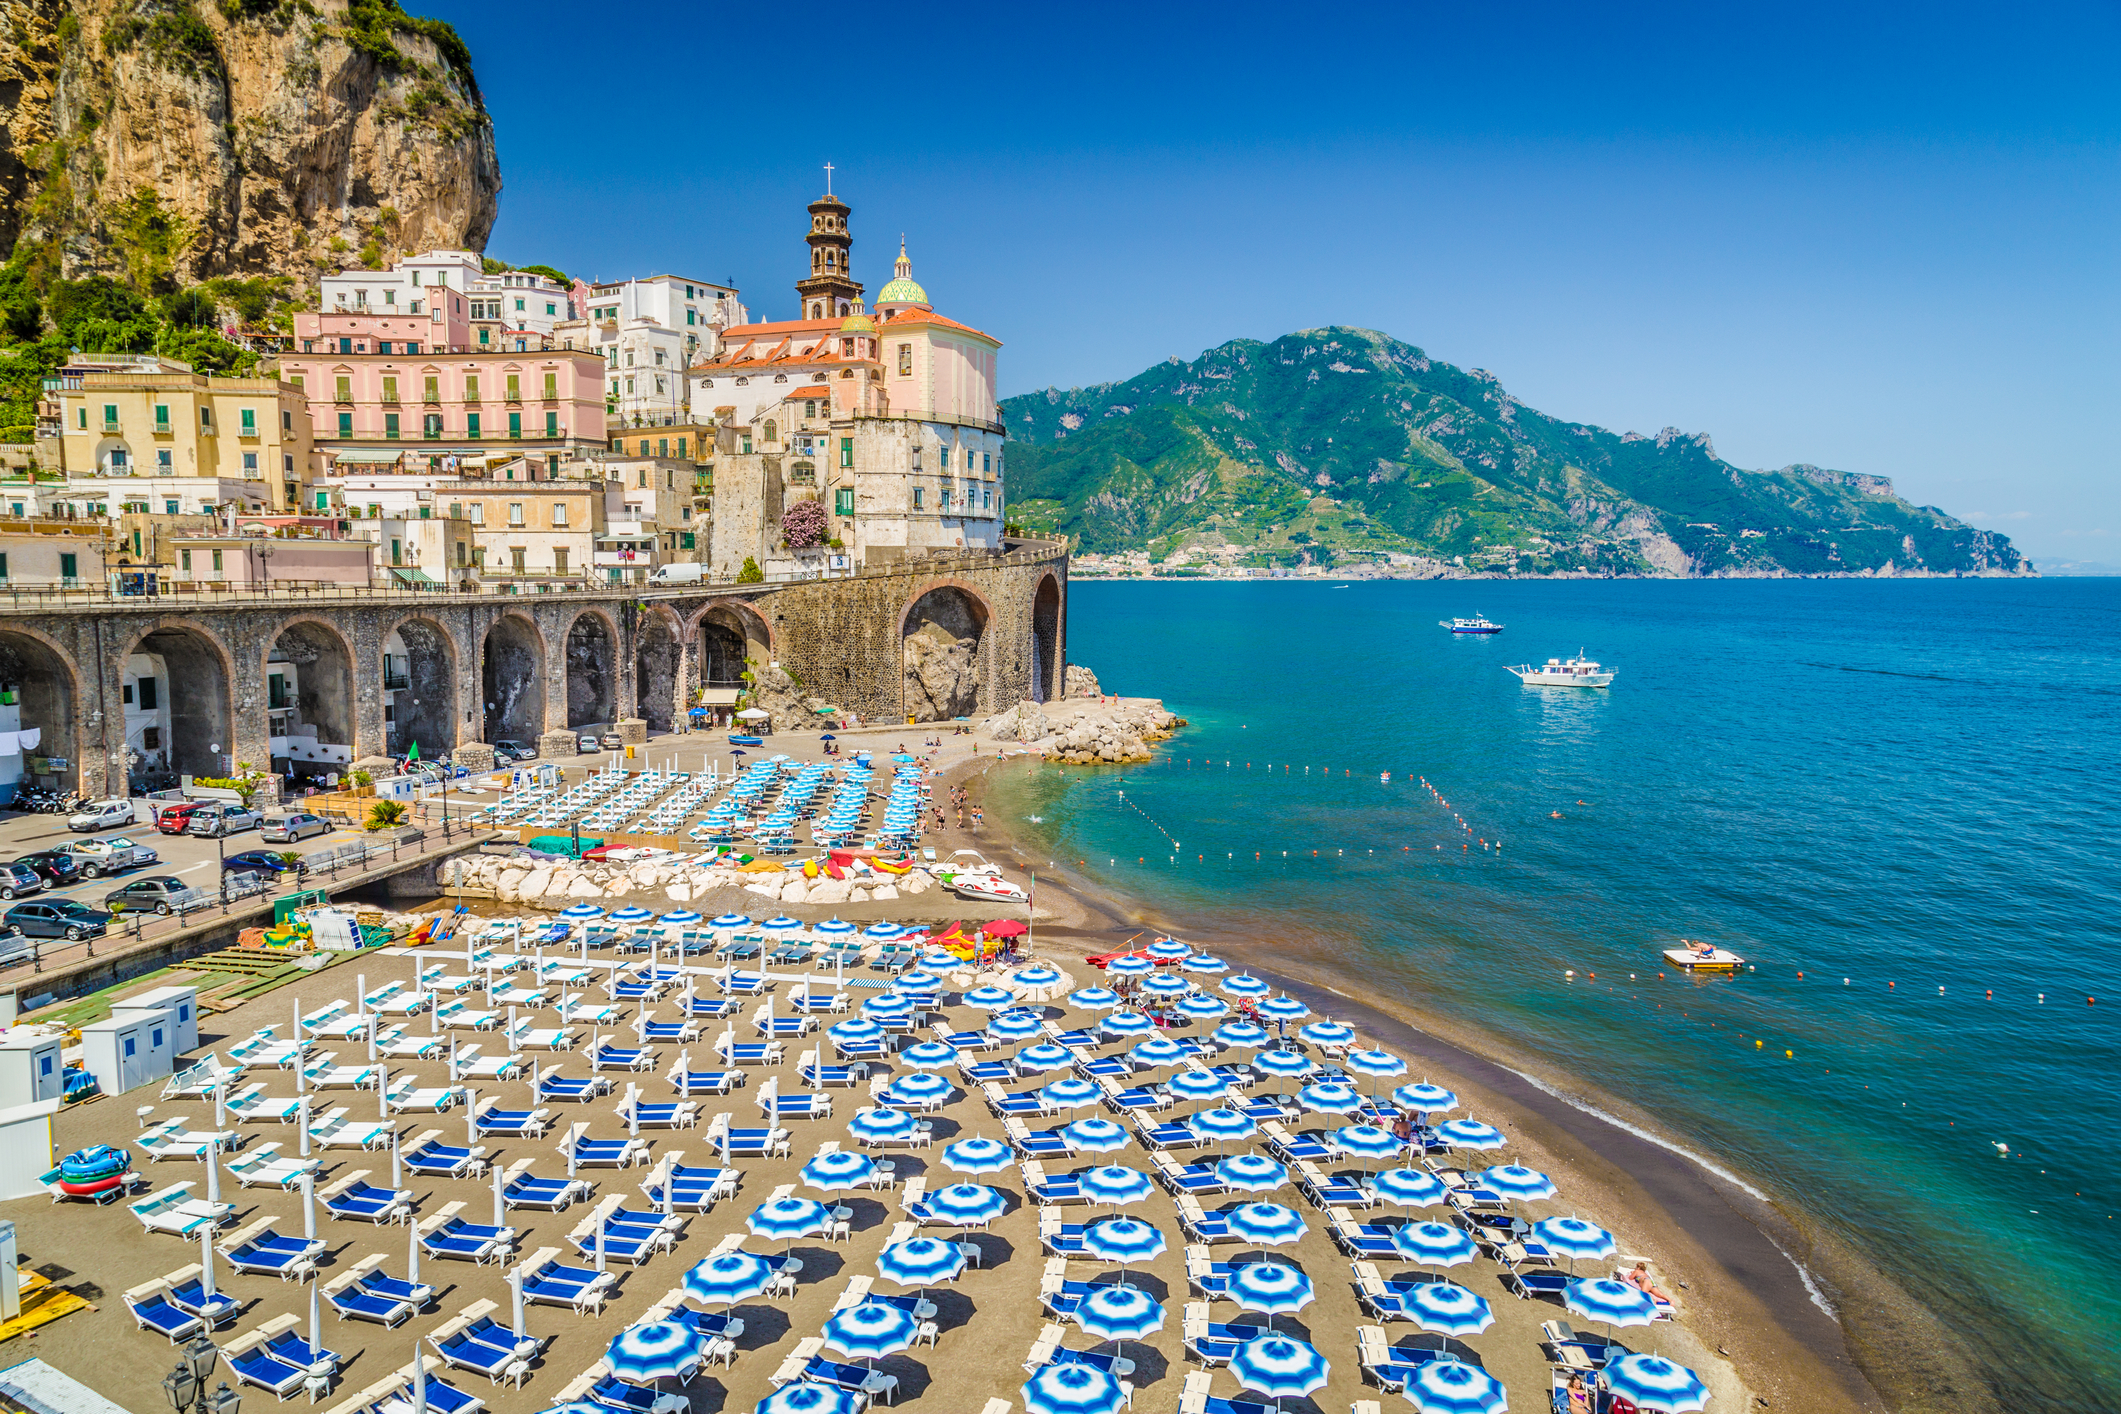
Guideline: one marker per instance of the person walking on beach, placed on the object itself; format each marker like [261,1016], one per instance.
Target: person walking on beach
[979,819]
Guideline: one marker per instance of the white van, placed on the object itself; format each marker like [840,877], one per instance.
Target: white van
[678,574]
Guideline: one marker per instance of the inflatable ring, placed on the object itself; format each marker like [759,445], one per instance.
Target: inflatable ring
[90,1189]
[93,1165]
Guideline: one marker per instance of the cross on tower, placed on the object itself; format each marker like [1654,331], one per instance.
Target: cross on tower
[828,179]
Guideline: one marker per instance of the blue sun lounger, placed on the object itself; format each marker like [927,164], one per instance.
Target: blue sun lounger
[447,1235]
[848,1075]
[578,1288]
[554,1195]
[1403,1364]
[1290,1149]
[491,1118]
[1526,1285]
[711,1008]
[149,1304]
[1105,1067]
[621,1058]
[284,1257]
[1196,1179]
[669,1031]
[692,1190]
[1212,1343]
[854,1379]
[366,1201]
[1156,1135]
[705,1082]
[444,1160]
[1096,1360]
[365,1294]
[188,1294]
[487,1349]
[1004,1103]
[1364,1239]
[564,1087]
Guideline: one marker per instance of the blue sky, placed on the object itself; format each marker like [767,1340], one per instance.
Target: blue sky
[1880,239]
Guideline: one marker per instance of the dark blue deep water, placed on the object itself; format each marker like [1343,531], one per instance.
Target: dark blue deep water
[1901,782]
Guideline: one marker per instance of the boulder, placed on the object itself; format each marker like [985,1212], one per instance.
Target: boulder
[763,890]
[795,889]
[1024,722]
[857,894]
[582,886]
[679,893]
[916,883]
[883,893]
[505,886]
[827,891]
[1081,682]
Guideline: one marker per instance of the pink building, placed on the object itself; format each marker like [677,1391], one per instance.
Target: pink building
[251,560]
[438,322]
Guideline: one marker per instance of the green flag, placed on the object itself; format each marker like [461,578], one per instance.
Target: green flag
[414,753]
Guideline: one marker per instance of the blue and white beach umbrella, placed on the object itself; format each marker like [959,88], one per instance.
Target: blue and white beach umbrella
[870,1331]
[1219,1126]
[1132,964]
[887,1005]
[989,998]
[1072,1389]
[781,923]
[1448,1309]
[1278,1366]
[918,982]
[920,1261]
[1327,1033]
[1517,1181]
[1434,1244]
[785,1219]
[873,1125]
[1193,1083]
[934,962]
[1470,1134]
[653,1350]
[1201,1007]
[967,1204]
[1454,1387]
[1365,1141]
[1283,1008]
[1653,1382]
[1070,1093]
[1265,1224]
[979,1155]
[1612,1303]
[1114,1185]
[802,1397]
[1096,1135]
[842,1168]
[1244,984]
[1251,1173]
[583,912]
[833,928]
[855,1031]
[1120,1313]
[883,932]
[1123,1240]
[1241,1034]
[1126,1023]
[918,1088]
[1045,1056]
[1035,977]
[929,1055]
[1163,984]
[1203,964]
[728,1278]
[1016,1025]
[1093,998]
[1168,950]
[1156,1051]
[1382,1064]
[1574,1237]
[1330,1097]
[725,920]
[1273,1287]
[631,913]
[1282,1063]
[679,917]
[1409,1188]
[1424,1098]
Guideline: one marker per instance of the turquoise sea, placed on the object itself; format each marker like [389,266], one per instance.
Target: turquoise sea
[1898,799]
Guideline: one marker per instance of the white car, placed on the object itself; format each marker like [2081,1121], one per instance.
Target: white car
[102,815]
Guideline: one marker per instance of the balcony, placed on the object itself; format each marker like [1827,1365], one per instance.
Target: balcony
[394,682]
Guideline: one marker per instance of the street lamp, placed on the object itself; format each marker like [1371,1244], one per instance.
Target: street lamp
[185,1386]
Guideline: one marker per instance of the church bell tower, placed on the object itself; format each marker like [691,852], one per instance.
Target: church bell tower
[831,290]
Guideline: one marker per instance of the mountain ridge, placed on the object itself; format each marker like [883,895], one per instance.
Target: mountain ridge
[1340,446]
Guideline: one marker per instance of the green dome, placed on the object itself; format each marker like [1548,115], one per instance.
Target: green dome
[903,290]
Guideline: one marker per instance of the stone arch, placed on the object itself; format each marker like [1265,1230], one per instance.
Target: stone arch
[46,687]
[658,660]
[729,631]
[513,680]
[942,633]
[424,708]
[196,677]
[315,665]
[1046,684]
[592,670]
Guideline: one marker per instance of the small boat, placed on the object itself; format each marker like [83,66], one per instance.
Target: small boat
[987,888]
[1578,671]
[735,740]
[1700,957]
[1476,624]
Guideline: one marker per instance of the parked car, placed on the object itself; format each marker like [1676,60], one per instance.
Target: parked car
[55,918]
[19,878]
[110,854]
[585,743]
[171,819]
[292,828]
[612,742]
[214,817]
[256,861]
[156,894]
[56,865]
[101,815]
[516,750]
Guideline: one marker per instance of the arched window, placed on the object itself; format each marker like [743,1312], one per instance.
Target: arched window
[770,431]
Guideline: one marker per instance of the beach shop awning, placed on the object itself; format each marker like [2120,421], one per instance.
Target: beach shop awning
[405,574]
[363,456]
[719,696]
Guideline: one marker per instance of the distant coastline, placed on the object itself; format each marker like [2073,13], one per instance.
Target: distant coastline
[1079,572]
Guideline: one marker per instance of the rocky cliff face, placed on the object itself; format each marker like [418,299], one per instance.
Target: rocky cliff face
[167,141]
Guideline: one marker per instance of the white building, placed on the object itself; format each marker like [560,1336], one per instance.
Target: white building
[697,309]
[398,288]
[644,382]
[518,311]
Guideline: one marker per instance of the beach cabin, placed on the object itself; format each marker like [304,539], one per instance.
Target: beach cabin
[126,1052]
[182,1004]
[30,1068]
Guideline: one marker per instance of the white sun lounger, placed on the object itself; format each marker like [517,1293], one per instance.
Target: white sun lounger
[474,1066]
[175,1210]
[405,1097]
[264,1168]
[253,1105]
[323,1074]
[334,1130]
[201,1077]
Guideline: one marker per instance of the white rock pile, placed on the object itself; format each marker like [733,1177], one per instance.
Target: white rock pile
[1079,731]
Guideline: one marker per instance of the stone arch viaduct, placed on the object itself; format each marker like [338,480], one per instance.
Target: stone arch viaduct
[491,667]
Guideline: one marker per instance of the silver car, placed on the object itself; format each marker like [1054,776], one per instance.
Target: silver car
[215,818]
[292,828]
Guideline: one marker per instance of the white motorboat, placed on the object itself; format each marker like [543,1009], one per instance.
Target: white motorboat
[1578,671]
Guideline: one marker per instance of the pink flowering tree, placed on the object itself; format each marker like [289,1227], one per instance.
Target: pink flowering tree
[803,525]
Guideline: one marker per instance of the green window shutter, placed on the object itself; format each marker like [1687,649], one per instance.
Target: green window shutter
[846,451]
[515,424]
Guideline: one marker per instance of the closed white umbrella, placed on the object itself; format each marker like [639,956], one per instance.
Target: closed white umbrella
[301,1071]
[685,1073]
[206,1260]
[316,1326]
[600,1242]
[419,1382]
[213,1170]
[309,1207]
[500,1209]
[633,1111]
[302,1123]
[382,1092]
[515,1298]
[471,1116]
[397,1167]
[220,1102]
[571,1147]
[770,1092]
[412,1254]
[372,1019]
[452,1060]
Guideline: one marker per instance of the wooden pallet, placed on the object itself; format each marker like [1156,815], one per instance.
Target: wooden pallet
[247,962]
[42,1303]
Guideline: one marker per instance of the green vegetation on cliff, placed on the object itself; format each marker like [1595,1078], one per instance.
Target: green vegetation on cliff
[1344,445]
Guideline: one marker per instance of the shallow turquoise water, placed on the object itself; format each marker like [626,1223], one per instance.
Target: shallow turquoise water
[1899,782]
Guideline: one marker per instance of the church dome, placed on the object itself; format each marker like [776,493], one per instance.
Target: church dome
[857,324]
[902,290]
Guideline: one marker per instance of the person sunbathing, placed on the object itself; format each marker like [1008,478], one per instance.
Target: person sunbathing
[1580,1401]
[1704,949]
[1640,1280]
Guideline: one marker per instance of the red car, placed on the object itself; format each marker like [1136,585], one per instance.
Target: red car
[172,819]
